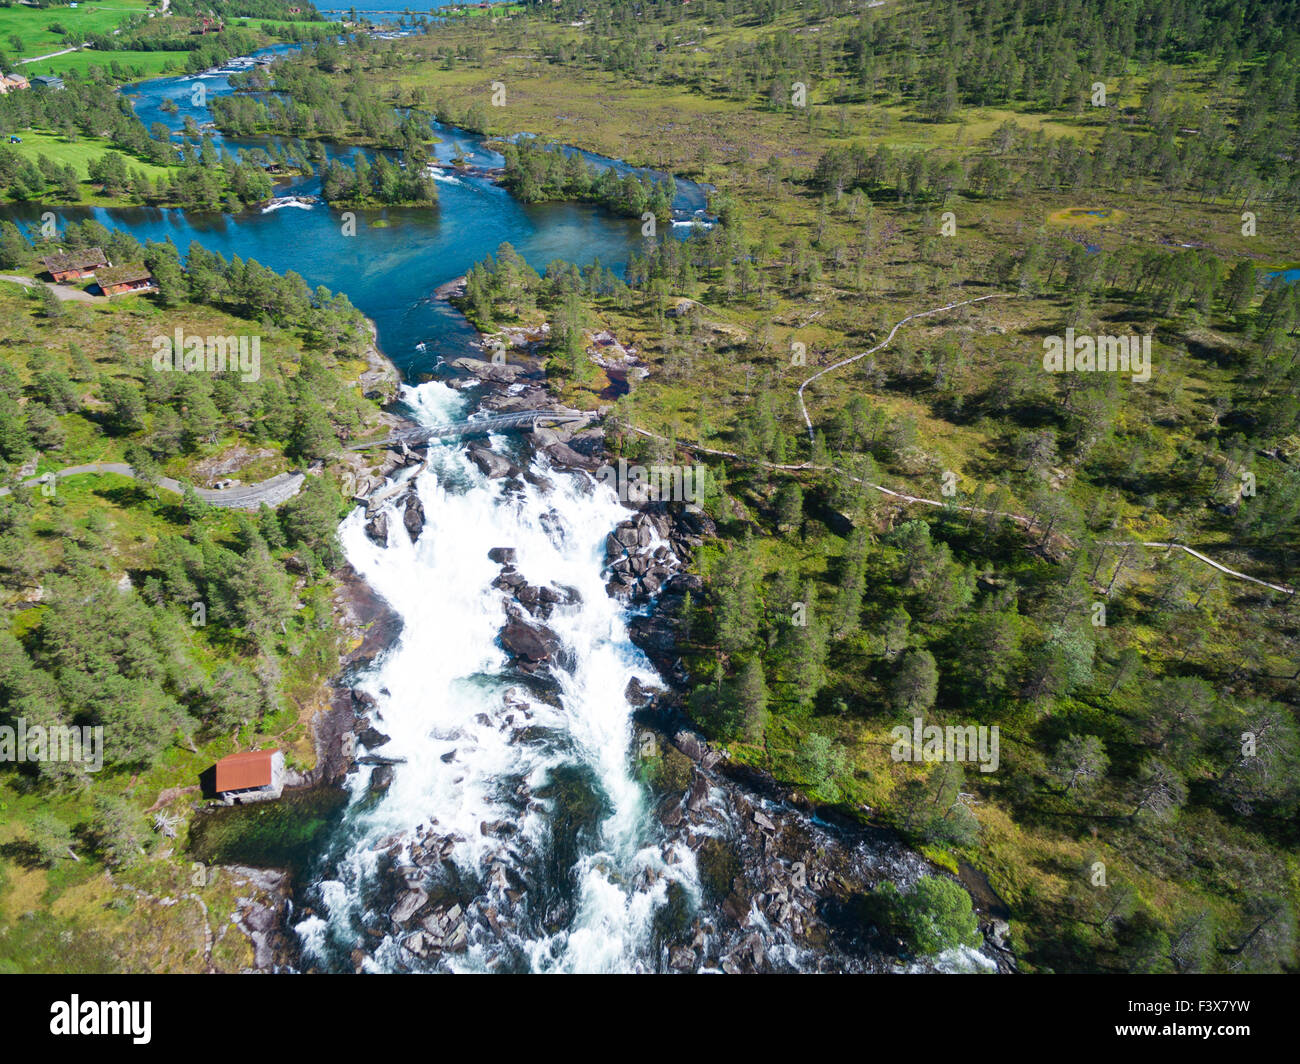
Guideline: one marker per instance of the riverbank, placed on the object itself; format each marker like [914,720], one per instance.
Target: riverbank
[220,622]
[381,379]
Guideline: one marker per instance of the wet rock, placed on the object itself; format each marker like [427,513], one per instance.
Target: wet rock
[459,939]
[407,906]
[637,694]
[689,744]
[542,484]
[420,944]
[413,517]
[655,635]
[529,595]
[510,581]
[699,796]
[553,524]
[998,931]
[371,737]
[539,601]
[502,555]
[620,588]
[753,945]
[565,457]
[377,529]
[531,646]
[736,906]
[381,779]
[492,465]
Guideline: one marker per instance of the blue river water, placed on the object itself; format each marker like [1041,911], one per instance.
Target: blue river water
[389,270]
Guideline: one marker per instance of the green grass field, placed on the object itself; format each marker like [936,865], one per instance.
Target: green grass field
[32,26]
[78,153]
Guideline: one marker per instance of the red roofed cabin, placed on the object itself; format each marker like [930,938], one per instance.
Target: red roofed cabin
[256,776]
[75,265]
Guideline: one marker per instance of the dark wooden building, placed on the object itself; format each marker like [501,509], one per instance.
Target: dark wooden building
[75,265]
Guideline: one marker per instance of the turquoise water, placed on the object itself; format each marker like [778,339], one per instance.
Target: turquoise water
[389,272]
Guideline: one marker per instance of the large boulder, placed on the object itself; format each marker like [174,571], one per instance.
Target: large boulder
[530,646]
[381,778]
[655,635]
[565,457]
[492,465]
[696,522]
[501,372]
[510,580]
[589,442]
[413,517]
[407,905]
[377,528]
[371,737]
[683,583]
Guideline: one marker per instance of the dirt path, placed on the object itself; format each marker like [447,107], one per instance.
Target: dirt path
[1020,519]
[884,343]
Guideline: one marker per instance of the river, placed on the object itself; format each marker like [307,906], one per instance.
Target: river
[389,270]
[516,828]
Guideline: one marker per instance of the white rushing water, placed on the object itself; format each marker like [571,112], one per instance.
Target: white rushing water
[453,708]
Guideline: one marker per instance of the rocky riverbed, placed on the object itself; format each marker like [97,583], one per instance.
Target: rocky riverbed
[784,886]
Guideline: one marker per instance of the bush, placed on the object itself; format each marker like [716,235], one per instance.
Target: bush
[934,915]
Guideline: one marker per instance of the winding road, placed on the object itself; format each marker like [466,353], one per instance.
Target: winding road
[63,292]
[284,486]
[273,491]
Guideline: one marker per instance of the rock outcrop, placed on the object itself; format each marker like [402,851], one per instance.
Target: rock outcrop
[413,516]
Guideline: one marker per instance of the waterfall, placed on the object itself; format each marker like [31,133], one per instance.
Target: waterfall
[527,785]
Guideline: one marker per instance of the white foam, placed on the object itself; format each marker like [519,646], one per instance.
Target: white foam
[445,680]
